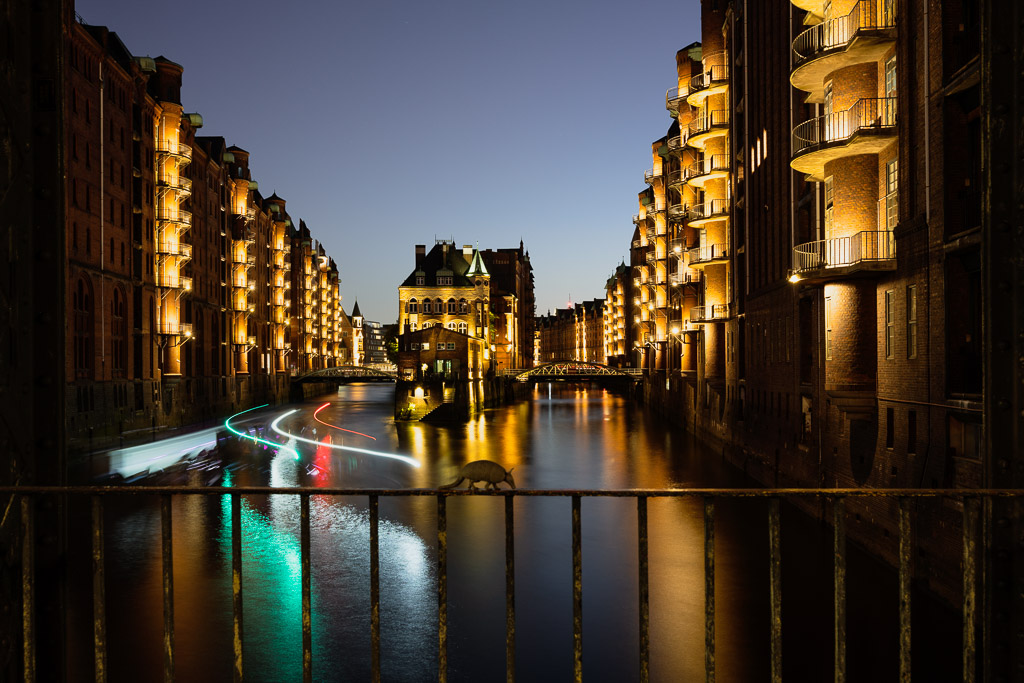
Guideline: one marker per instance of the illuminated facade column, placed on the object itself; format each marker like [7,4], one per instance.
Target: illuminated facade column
[846,63]
[171,220]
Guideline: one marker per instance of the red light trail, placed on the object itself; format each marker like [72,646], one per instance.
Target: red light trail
[317,412]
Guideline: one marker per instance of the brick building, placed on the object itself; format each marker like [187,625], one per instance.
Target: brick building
[576,333]
[180,275]
[512,302]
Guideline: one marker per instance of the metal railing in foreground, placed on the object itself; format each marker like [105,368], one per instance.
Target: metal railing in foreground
[972,500]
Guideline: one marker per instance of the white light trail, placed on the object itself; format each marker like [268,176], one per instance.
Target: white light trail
[394,456]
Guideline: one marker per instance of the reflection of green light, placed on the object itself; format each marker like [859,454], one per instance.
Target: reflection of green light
[227,425]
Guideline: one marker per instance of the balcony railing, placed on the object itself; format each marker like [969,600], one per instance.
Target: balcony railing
[175,149]
[651,232]
[866,246]
[651,176]
[677,142]
[889,210]
[681,277]
[636,218]
[866,15]
[178,217]
[700,314]
[714,164]
[714,75]
[652,256]
[677,245]
[172,281]
[177,249]
[866,115]
[708,210]
[179,184]
[711,119]
[677,210]
[673,96]
[174,329]
[711,252]
[675,178]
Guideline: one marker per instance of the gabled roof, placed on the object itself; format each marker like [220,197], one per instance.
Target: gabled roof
[440,259]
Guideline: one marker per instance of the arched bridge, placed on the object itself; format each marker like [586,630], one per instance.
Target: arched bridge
[346,373]
[570,370]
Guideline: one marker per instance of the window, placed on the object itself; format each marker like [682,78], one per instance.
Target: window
[463,306]
[890,322]
[82,304]
[426,305]
[419,279]
[890,77]
[117,332]
[829,215]
[463,327]
[912,321]
[440,346]
[451,346]
[912,431]
[413,306]
[828,328]
[452,306]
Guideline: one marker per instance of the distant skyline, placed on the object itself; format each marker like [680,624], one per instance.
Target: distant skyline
[391,123]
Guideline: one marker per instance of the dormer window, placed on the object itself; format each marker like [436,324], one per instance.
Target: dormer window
[419,279]
[444,279]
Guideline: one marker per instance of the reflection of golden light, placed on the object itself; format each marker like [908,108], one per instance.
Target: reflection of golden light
[418,393]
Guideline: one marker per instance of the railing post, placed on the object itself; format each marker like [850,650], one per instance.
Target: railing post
[577,593]
[99,600]
[839,588]
[236,584]
[28,589]
[167,551]
[905,550]
[442,590]
[970,550]
[709,590]
[510,590]
[307,619]
[374,589]
[775,581]
[643,592]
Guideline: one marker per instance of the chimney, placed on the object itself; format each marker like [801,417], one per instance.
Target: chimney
[467,251]
[421,251]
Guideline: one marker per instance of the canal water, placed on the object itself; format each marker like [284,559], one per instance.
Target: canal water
[564,437]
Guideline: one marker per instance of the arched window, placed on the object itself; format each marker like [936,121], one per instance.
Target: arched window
[117,332]
[426,305]
[463,307]
[413,306]
[451,306]
[463,327]
[82,304]
[429,323]
[451,325]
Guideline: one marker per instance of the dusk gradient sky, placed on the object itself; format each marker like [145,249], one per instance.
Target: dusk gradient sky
[387,123]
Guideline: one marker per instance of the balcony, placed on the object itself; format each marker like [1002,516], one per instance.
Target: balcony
[174,329]
[173,280]
[701,256]
[673,98]
[677,245]
[681,277]
[865,128]
[714,81]
[178,250]
[651,232]
[677,211]
[637,219]
[179,218]
[179,184]
[675,179]
[867,251]
[655,207]
[651,176]
[708,314]
[676,143]
[864,35]
[179,151]
[713,210]
[709,125]
[653,257]
[709,168]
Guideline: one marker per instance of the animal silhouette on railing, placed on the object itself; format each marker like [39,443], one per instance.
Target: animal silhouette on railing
[487,471]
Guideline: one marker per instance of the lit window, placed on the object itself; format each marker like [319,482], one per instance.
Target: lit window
[890,77]
[440,346]
[891,195]
[890,322]
[912,321]
[829,209]
[828,328]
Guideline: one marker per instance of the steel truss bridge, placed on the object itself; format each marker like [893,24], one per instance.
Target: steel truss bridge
[346,373]
[573,370]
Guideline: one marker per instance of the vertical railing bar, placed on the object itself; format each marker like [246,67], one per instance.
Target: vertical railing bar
[374,588]
[28,589]
[577,593]
[970,522]
[775,580]
[442,590]
[643,589]
[307,617]
[236,583]
[167,552]
[904,581]
[839,588]
[510,590]
[99,598]
[709,590]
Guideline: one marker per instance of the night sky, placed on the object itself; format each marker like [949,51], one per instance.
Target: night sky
[390,123]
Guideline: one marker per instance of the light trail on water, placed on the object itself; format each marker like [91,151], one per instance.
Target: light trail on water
[256,439]
[380,454]
[317,412]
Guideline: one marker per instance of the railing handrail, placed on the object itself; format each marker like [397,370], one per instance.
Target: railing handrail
[708,252]
[866,245]
[715,73]
[709,208]
[174,215]
[674,95]
[838,32]
[864,114]
[703,123]
[175,148]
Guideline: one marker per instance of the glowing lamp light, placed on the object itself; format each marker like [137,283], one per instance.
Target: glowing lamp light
[794,278]
[675,330]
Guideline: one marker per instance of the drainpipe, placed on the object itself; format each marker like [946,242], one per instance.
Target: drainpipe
[926,94]
[103,305]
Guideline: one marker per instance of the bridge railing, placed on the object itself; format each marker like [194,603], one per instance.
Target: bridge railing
[25,500]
